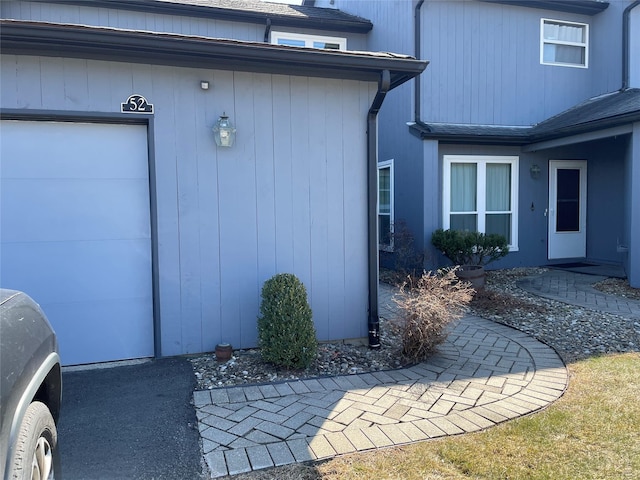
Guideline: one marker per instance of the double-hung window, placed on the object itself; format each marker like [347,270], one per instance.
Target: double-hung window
[564,43]
[385,205]
[309,41]
[481,194]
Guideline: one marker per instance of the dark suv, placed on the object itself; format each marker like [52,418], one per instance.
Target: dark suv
[30,390]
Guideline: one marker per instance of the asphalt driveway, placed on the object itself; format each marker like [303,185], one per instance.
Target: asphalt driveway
[130,422]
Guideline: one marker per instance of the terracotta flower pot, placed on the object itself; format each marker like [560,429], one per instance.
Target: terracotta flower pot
[473,274]
[223,352]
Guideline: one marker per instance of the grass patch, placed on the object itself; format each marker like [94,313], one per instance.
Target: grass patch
[592,432]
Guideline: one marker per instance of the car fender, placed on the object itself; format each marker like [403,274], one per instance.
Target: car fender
[27,397]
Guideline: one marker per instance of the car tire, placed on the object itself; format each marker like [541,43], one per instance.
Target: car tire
[36,453]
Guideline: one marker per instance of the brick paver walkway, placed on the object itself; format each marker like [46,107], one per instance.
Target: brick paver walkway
[485,373]
[576,289]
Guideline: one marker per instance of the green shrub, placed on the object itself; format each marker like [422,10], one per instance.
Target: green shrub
[470,248]
[286,333]
[429,304]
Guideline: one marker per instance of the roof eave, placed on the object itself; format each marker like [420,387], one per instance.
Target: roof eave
[589,127]
[77,41]
[228,14]
[422,131]
[581,7]
[529,135]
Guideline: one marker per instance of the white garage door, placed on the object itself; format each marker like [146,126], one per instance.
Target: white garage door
[75,233]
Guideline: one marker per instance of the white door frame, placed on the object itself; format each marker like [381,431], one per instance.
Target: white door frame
[570,240]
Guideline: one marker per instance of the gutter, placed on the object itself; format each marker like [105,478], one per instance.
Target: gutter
[373,323]
[267,30]
[103,43]
[625,44]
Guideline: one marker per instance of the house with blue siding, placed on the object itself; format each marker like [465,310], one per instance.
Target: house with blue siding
[141,231]
[526,123]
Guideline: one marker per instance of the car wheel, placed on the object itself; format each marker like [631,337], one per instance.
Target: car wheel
[36,451]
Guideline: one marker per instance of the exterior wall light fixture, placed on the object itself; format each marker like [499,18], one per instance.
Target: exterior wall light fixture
[224,132]
[535,171]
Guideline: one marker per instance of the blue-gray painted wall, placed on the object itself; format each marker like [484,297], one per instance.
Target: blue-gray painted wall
[485,63]
[104,17]
[632,192]
[485,58]
[485,69]
[290,196]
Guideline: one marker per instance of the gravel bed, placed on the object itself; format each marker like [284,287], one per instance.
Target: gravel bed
[574,332]
[247,367]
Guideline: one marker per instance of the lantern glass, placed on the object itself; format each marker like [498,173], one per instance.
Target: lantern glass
[224,132]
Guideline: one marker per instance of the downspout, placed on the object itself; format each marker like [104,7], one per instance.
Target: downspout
[267,31]
[373,322]
[625,44]
[417,30]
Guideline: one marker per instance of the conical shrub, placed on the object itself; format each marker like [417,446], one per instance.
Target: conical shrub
[286,333]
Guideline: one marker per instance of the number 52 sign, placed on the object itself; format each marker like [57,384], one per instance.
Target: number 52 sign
[136,104]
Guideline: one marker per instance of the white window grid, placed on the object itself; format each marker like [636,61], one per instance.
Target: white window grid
[584,44]
[309,40]
[383,165]
[481,180]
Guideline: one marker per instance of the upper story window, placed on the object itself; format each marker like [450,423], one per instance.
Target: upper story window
[564,43]
[310,41]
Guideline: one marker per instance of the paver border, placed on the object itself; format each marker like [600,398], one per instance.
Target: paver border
[451,394]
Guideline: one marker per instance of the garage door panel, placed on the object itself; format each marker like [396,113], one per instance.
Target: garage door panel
[85,210]
[91,271]
[75,233]
[73,150]
[101,331]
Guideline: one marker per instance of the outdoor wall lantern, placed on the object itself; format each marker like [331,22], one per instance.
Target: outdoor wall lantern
[535,171]
[224,132]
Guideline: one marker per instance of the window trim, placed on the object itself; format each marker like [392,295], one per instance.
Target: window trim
[382,165]
[512,160]
[308,39]
[544,41]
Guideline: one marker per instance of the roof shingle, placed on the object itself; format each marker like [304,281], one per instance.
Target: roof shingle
[605,111]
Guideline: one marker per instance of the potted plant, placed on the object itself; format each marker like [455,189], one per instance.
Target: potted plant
[471,251]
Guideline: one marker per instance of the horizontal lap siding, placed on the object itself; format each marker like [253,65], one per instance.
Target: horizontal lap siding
[290,196]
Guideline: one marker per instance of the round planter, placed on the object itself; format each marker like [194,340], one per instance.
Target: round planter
[473,274]
[223,352]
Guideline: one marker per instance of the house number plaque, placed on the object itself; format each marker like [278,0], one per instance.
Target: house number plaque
[136,104]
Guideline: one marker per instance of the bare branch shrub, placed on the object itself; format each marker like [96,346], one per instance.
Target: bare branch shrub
[408,260]
[430,303]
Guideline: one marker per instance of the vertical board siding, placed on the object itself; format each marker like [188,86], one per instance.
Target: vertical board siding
[188,219]
[336,184]
[634,48]
[245,226]
[263,122]
[318,202]
[128,19]
[283,172]
[301,157]
[485,65]
[132,20]
[290,196]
